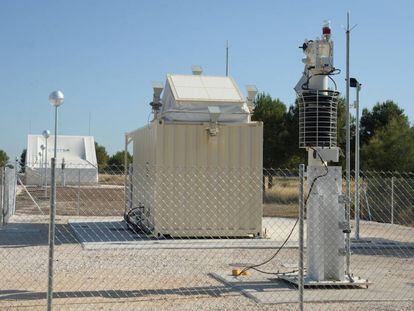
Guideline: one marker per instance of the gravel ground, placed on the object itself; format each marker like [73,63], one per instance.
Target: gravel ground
[170,279]
[238,303]
[175,279]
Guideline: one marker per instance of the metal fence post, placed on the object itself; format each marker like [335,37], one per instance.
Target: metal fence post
[357,205]
[301,233]
[130,189]
[392,200]
[63,173]
[264,184]
[16,162]
[78,196]
[6,194]
[46,173]
[2,184]
[52,214]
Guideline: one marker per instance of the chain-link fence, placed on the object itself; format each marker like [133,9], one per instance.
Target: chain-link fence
[205,238]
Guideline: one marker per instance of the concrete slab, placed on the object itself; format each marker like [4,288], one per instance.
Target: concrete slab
[275,290]
[113,233]
[110,232]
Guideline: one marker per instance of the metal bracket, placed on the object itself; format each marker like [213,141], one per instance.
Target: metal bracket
[213,129]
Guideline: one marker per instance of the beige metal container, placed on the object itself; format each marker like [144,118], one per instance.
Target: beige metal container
[194,184]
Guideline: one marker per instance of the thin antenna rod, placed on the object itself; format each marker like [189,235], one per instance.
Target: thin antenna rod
[89,129]
[227,58]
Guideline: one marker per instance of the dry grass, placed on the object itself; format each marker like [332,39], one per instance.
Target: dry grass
[281,200]
[280,210]
[111,179]
[84,201]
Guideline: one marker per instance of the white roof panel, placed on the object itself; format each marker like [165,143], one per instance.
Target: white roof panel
[191,93]
[204,88]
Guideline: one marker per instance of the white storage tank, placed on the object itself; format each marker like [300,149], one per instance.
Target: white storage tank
[197,167]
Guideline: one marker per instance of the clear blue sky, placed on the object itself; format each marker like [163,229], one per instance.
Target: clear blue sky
[105,54]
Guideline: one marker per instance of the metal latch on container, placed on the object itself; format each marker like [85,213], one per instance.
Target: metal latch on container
[342,251]
[343,225]
[342,199]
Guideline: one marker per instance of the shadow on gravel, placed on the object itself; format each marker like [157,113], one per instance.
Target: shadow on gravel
[213,291]
[33,234]
[382,247]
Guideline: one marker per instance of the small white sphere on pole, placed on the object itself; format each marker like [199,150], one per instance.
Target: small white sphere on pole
[56,98]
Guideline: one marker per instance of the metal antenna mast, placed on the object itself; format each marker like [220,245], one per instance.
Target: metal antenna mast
[89,128]
[227,58]
[348,152]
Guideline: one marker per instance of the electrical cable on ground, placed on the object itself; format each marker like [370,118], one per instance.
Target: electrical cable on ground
[254,267]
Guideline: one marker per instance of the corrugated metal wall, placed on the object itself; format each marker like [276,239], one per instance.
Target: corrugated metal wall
[196,184]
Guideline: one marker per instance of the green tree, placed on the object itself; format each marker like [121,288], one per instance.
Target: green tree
[275,135]
[294,154]
[379,118]
[391,148]
[116,161]
[341,133]
[387,140]
[22,161]
[4,158]
[101,156]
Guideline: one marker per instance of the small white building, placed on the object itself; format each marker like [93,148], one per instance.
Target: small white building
[76,152]
[197,168]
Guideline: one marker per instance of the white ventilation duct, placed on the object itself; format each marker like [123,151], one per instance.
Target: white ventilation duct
[196,70]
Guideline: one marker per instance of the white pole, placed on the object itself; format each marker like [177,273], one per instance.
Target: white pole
[52,221]
[46,166]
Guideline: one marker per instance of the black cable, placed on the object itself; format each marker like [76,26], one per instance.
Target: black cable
[127,218]
[336,87]
[149,115]
[254,267]
[275,273]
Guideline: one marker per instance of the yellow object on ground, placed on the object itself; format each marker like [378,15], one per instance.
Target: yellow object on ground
[238,272]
